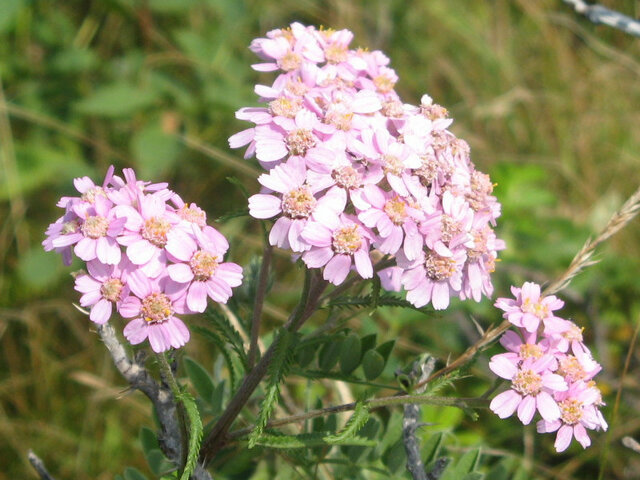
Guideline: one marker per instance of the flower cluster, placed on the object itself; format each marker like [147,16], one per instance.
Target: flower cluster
[354,174]
[148,255]
[550,369]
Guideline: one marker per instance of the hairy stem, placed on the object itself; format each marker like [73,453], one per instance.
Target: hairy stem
[217,437]
[258,303]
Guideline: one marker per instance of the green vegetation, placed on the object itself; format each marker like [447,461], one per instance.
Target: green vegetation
[547,101]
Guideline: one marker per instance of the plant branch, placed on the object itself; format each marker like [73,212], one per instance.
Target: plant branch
[373,404]
[164,404]
[167,376]
[599,14]
[38,466]
[217,437]
[258,303]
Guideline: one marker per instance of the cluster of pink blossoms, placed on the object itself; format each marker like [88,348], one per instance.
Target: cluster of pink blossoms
[351,170]
[550,369]
[148,254]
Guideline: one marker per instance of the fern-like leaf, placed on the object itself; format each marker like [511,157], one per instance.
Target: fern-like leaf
[229,332]
[222,346]
[278,368]
[353,425]
[195,433]
[308,440]
[373,301]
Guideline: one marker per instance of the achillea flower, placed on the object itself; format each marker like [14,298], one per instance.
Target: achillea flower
[198,255]
[103,287]
[153,307]
[337,244]
[529,308]
[335,134]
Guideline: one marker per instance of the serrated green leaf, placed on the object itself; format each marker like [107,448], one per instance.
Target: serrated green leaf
[219,342]
[367,301]
[277,370]
[372,364]
[195,433]
[353,425]
[229,332]
[350,353]
[118,99]
[202,381]
[131,473]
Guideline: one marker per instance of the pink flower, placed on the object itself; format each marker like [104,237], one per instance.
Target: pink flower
[102,287]
[199,264]
[147,230]
[529,308]
[153,306]
[433,276]
[336,244]
[578,412]
[99,230]
[532,385]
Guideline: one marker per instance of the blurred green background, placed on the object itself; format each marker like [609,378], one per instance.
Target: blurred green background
[549,103]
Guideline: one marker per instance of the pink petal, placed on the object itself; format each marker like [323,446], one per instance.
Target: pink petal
[526,409]
[139,284]
[242,138]
[101,311]
[218,290]
[440,295]
[140,252]
[180,272]
[279,232]
[197,297]
[130,307]
[176,331]
[505,404]
[230,273]
[264,206]
[503,367]
[90,298]
[157,338]
[317,257]
[136,331]
[85,284]
[581,435]
[363,263]
[86,249]
[337,269]
[180,244]
[547,407]
[563,439]
[108,251]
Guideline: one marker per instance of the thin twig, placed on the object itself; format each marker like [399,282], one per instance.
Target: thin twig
[420,371]
[599,14]
[261,289]
[38,466]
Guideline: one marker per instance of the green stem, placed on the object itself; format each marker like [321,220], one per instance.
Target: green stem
[375,403]
[167,376]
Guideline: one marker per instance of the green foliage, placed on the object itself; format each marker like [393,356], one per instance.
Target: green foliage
[202,381]
[350,353]
[195,433]
[372,364]
[131,473]
[278,369]
[309,440]
[229,332]
[464,468]
[219,342]
[353,425]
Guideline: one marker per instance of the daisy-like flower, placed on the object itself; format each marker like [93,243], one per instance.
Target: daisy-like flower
[199,265]
[153,307]
[336,245]
[99,230]
[578,412]
[434,276]
[296,203]
[147,230]
[532,386]
[529,307]
[103,287]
